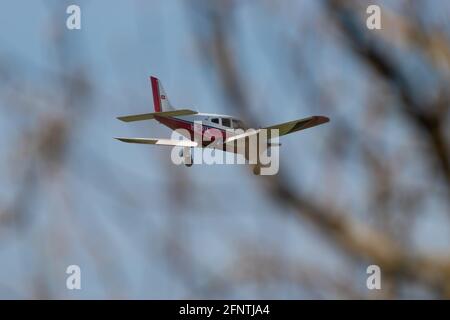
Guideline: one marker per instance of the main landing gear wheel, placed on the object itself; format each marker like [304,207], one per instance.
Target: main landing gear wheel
[188,159]
[189,163]
[256,170]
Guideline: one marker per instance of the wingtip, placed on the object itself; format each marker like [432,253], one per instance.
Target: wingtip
[323,119]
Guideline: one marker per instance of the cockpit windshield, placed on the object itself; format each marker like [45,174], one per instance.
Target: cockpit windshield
[238,124]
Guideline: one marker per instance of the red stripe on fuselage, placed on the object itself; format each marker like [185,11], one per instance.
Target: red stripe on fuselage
[174,124]
[155,90]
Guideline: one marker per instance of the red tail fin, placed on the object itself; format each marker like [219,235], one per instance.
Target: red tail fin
[155,89]
[160,99]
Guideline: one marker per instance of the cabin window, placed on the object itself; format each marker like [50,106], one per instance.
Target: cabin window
[226,122]
[215,120]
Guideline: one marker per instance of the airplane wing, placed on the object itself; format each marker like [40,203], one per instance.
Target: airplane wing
[285,128]
[301,124]
[162,142]
[242,136]
[148,116]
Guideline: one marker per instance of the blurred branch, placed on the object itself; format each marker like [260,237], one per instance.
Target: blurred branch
[429,118]
[360,241]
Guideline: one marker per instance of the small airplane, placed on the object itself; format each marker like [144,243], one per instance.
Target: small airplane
[226,125]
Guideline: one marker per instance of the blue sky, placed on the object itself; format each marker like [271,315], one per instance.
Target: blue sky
[121,246]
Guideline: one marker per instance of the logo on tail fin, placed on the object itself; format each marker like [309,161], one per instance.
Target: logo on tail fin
[160,99]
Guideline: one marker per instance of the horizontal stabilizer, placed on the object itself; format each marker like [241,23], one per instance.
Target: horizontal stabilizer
[162,142]
[149,116]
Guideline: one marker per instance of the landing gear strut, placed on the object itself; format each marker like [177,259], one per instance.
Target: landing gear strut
[186,154]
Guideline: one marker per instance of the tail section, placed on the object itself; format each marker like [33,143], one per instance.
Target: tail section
[160,99]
